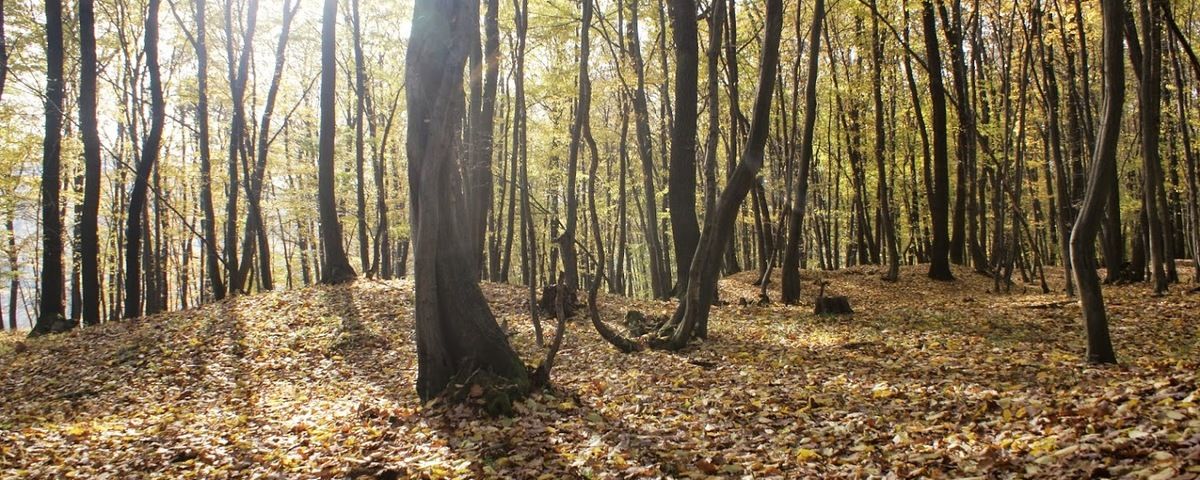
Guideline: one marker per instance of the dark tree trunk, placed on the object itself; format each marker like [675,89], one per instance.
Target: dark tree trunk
[255,224]
[481,118]
[238,79]
[137,198]
[681,193]
[335,266]
[790,288]
[1087,224]
[693,310]
[89,241]
[50,310]
[939,251]
[456,332]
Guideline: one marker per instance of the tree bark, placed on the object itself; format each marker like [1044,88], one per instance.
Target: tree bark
[1087,223]
[50,309]
[790,288]
[456,332]
[335,266]
[137,198]
[681,193]
[939,251]
[693,310]
[89,241]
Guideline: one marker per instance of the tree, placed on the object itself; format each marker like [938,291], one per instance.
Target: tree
[692,312]
[1104,161]
[239,72]
[360,98]
[790,288]
[211,255]
[50,310]
[335,266]
[681,193]
[456,332]
[134,230]
[583,109]
[89,242]
[939,251]
[885,199]
[1150,100]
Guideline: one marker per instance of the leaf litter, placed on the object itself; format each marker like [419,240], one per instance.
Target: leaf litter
[927,379]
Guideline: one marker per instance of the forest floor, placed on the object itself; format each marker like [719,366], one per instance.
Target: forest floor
[927,379]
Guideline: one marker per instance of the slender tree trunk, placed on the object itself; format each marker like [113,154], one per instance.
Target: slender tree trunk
[137,198]
[1149,96]
[238,77]
[212,257]
[583,110]
[1087,223]
[885,200]
[89,242]
[335,266]
[939,252]
[790,288]
[659,283]
[360,96]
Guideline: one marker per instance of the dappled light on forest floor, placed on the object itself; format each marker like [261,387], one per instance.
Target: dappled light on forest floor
[927,379]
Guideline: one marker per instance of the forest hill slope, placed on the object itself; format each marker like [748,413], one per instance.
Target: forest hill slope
[927,379]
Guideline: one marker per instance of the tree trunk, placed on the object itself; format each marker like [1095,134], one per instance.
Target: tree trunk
[1087,223]
[790,288]
[939,252]
[89,242]
[1149,97]
[583,110]
[681,193]
[456,332]
[137,198]
[212,257]
[659,283]
[693,310]
[885,200]
[335,266]
[50,310]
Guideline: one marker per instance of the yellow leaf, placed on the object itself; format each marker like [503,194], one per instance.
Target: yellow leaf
[806,455]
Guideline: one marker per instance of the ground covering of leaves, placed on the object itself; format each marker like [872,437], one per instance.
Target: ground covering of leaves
[926,380]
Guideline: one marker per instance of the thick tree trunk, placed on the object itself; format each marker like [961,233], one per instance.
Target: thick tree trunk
[1087,223]
[335,266]
[456,332]
[681,193]
[50,309]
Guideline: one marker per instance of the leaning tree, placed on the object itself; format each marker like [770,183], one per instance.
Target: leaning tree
[457,335]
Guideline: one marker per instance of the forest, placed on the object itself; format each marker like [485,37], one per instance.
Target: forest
[599,239]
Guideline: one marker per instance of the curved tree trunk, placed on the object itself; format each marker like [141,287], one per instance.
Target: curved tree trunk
[1087,223]
[681,195]
[137,198]
[89,243]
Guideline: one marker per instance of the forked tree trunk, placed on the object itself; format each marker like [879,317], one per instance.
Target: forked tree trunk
[693,310]
[1087,223]
[456,332]
[212,258]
